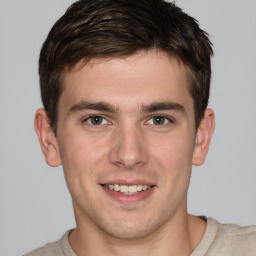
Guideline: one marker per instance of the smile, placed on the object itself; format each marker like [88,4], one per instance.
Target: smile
[128,190]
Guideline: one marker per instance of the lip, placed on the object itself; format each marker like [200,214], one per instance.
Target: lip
[128,198]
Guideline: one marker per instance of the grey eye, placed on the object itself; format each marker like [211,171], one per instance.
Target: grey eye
[96,120]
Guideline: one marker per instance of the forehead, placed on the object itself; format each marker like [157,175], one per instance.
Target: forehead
[137,79]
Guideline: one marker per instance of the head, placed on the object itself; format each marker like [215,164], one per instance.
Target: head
[125,86]
[109,29]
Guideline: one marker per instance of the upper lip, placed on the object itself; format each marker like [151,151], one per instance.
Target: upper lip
[128,183]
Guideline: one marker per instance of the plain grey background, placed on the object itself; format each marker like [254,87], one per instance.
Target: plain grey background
[35,204]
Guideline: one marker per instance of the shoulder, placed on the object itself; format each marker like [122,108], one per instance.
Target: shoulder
[239,234]
[58,248]
[50,249]
[232,239]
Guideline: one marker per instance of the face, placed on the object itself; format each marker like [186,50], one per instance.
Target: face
[126,142]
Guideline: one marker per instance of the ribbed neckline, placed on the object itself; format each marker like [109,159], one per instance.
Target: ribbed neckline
[65,246]
[209,236]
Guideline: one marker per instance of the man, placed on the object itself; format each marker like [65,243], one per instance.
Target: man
[125,87]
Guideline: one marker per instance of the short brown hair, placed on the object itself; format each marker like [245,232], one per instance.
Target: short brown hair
[117,28]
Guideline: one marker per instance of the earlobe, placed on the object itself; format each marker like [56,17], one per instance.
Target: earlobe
[203,137]
[47,139]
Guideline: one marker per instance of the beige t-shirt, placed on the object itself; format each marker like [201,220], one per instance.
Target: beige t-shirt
[218,240]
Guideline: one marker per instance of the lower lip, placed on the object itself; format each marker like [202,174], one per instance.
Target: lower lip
[126,198]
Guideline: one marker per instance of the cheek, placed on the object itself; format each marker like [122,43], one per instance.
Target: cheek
[78,151]
[173,151]
[77,161]
[80,163]
[174,157]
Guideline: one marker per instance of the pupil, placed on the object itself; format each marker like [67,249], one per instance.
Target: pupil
[159,120]
[96,120]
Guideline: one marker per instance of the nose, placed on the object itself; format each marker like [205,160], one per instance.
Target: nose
[129,148]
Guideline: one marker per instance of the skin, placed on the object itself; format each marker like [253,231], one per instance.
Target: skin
[128,145]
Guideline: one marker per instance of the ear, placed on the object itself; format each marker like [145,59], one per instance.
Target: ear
[47,138]
[203,137]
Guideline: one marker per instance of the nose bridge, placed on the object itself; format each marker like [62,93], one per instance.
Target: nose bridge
[129,148]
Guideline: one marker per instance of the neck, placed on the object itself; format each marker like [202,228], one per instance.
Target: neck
[180,236]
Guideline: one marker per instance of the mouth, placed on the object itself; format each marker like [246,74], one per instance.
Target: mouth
[127,190]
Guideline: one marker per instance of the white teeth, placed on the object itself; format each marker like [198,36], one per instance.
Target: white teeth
[145,187]
[139,187]
[116,187]
[124,189]
[132,189]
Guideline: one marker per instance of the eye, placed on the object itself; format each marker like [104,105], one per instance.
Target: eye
[159,120]
[96,120]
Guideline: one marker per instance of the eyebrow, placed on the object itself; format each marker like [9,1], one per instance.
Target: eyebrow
[103,106]
[156,106]
[84,105]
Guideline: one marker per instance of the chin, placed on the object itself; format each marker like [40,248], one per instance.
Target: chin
[131,229]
